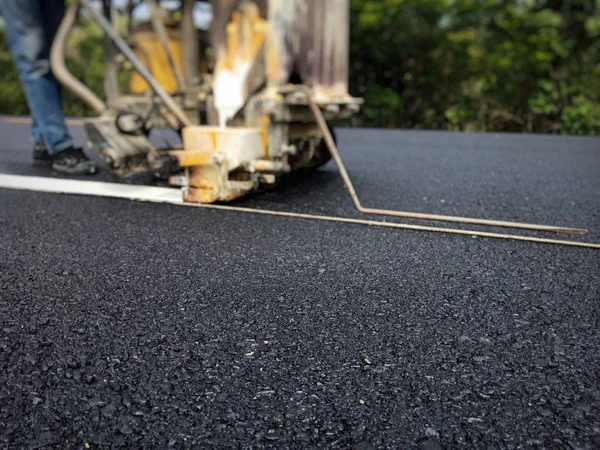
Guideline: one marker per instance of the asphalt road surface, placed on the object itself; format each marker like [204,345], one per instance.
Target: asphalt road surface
[131,325]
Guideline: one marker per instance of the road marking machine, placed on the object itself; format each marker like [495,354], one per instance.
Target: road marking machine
[254,97]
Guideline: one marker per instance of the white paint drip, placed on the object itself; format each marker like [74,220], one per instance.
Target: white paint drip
[229,90]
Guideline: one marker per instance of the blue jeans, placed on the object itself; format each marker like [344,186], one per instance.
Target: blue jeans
[31,26]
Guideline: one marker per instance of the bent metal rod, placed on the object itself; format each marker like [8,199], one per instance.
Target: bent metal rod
[409,214]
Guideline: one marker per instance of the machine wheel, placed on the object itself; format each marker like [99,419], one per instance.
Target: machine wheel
[322,155]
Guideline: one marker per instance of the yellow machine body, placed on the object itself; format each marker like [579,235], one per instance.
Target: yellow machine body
[244,117]
[151,52]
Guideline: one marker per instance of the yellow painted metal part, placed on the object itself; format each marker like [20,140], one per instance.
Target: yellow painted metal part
[151,52]
[245,35]
[193,158]
[210,153]
[266,122]
[205,138]
[200,196]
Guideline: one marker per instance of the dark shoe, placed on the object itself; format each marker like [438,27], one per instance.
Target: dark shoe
[41,157]
[73,161]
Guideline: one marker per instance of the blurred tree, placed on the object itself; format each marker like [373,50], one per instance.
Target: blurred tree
[506,65]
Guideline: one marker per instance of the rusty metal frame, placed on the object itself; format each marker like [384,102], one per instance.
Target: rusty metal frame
[189,44]
[61,72]
[137,64]
[161,32]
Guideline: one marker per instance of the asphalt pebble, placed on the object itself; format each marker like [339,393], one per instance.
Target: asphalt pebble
[430,444]
[431,433]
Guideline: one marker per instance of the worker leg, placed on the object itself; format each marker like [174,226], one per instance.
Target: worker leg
[30,28]
[53,12]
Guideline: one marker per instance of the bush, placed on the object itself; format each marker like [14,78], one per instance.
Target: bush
[486,65]
[12,99]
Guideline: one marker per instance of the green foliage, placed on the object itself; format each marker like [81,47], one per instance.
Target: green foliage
[506,65]
[12,99]
[497,65]
[581,117]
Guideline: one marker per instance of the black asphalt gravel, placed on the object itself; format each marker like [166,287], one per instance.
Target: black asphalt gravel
[130,325]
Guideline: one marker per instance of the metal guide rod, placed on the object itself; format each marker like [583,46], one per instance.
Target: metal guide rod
[132,57]
[414,215]
[402,226]
[190,47]
[161,32]
[172,197]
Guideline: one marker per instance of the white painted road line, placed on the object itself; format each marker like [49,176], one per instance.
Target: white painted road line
[93,188]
